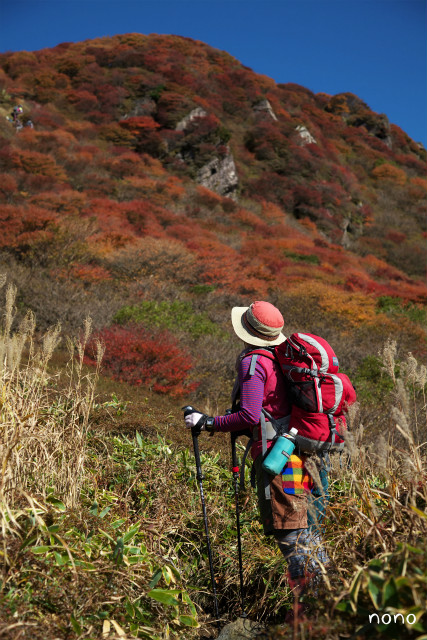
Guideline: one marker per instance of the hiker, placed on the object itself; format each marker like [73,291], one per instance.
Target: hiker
[283,499]
[16,113]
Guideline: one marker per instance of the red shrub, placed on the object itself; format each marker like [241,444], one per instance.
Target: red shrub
[139,124]
[40,164]
[83,100]
[396,236]
[85,273]
[24,227]
[138,357]
[8,187]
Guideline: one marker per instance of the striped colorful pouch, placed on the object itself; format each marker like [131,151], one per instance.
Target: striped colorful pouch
[295,478]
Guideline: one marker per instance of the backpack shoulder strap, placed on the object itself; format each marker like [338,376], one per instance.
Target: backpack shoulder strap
[258,352]
[267,352]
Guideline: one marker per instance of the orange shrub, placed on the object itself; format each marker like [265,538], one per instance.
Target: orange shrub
[420,182]
[66,202]
[271,212]
[388,172]
[382,269]
[354,308]
[139,124]
[40,164]
[117,135]
[417,188]
[89,273]
[207,198]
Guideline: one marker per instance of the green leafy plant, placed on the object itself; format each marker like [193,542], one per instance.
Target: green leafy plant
[393,586]
[168,315]
[371,381]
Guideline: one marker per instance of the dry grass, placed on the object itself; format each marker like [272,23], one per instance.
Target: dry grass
[44,416]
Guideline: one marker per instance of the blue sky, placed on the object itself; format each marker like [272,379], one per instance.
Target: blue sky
[376,49]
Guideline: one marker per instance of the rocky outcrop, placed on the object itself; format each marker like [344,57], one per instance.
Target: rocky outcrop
[263,109]
[219,172]
[220,175]
[144,107]
[241,629]
[352,229]
[198,112]
[345,240]
[305,135]
[377,125]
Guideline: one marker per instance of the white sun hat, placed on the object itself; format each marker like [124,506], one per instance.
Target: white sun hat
[260,324]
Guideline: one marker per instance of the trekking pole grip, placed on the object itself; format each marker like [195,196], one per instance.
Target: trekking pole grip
[188,409]
[195,432]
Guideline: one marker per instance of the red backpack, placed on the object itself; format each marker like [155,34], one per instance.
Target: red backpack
[319,394]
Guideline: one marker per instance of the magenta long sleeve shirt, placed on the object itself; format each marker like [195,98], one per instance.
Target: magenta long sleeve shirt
[265,388]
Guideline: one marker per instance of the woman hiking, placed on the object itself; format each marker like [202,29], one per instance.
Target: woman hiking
[283,499]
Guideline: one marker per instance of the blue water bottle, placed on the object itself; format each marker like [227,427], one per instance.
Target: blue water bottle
[280,452]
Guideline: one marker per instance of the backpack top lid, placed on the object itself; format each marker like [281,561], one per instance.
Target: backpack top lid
[313,350]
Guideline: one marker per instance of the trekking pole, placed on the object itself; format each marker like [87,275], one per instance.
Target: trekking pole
[195,432]
[236,474]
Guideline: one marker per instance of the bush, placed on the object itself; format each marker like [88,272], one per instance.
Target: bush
[138,357]
[389,592]
[371,382]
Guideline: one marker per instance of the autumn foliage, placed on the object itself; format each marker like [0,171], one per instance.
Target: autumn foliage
[135,356]
[104,195]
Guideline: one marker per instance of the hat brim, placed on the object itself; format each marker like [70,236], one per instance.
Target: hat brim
[242,333]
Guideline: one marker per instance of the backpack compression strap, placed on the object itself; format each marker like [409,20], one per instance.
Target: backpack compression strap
[318,377]
[333,429]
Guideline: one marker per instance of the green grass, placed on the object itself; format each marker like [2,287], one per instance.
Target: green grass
[132,556]
[371,382]
[112,539]
[302,257]
[175,316]
[390,305]
[136,542]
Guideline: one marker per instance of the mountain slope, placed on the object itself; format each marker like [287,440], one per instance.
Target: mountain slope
[162,171]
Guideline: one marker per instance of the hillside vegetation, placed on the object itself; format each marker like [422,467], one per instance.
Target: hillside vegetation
[103,203]
[163,183]
[102,534]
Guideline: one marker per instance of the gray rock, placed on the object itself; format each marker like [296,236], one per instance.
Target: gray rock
[198,112]
[345,240]
[377,125]
[305,135]
[264,109]
[241,629]
[219,175]
[143,107]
